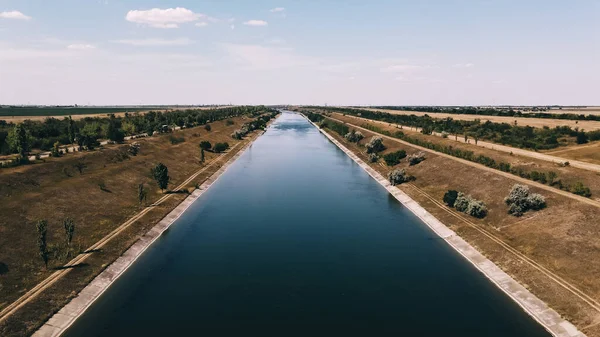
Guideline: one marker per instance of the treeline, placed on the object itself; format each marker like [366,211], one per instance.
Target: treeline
[86,132]
[470,110]
[259,123]
[503,133]
[549,178]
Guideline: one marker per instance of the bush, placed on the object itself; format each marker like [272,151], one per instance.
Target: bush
[373,157]
[469,205]
[520,200]
[220,147]
[416,158]
[375,145]
[394,158]
[397,177]
[450,197]
[207,127]
[176,140]
[229,122]
[354,136]
[581,189]
[134,148]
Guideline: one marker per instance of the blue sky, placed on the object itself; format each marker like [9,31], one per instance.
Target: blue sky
[444,52]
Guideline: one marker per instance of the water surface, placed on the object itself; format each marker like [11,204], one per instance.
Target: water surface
[295,239]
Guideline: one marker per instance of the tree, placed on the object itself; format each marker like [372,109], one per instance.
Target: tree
[220,147]
[161,174]
[207,127]
[18,140]
[450,197]
[42,228]
[80,166]
[582,138]
[205,145]
[113,131]
[551,177]
[375,145]
[69,225]
[416,158]
[72,130]
[55,150]
[201,155]
[397,177]
[142,193]
[520,200]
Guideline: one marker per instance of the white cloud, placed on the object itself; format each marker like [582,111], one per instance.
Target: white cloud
[256,23]
[16,15]
[201,24]
[232,27]
[183,41]
[81,47]
[463,65]
[399,68]
[277,10]
[163,18]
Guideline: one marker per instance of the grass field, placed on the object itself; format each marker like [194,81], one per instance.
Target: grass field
[563,237]
[534,122]
[592,110]
[589,152]
[54,190]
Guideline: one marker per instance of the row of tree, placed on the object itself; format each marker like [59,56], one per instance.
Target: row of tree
[22,138]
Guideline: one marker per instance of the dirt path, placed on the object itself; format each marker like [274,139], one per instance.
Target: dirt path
[506,149]
[482,167]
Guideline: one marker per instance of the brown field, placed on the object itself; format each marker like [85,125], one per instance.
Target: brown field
[569,174]
[591,110]
[563,238]
[589,152]
[522,121]
[20,119]
[54,190]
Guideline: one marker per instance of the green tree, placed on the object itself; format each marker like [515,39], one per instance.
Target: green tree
[201,155]
[69,226]
[42,228]
[205,145]
[72,130]
[207,127]
[55,150]
[582,138]
[18,140]
[450,197]
[161,174]
[220,147]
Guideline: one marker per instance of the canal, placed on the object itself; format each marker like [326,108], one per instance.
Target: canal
[295,239]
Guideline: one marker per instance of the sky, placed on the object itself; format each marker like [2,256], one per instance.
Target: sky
[377,52]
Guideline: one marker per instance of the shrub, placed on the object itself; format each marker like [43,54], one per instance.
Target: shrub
[581,189]
[375,145]
[394,158]
[207,127]
[176,140]
[469,205]
[354,136]
[373,157]
[520,200]
[229,122]
[397,177]
[134,148]
[450,197]
[416,158]
[220,147]
[237,134]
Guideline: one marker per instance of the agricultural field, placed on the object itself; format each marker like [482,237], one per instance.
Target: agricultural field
[588,153]
[522,121]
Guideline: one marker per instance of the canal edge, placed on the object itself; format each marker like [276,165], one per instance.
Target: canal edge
[67,315]
[536,308]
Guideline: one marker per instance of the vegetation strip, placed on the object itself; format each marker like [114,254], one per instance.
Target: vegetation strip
[481,166]
[76,307]
[546,316]
[32,293]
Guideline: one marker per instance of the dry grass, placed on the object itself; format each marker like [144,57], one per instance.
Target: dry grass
[564,237]
[55,190]
[588,153]
[569,175]
[534,122]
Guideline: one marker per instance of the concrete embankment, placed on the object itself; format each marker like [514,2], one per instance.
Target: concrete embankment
[63,319]
[535,307]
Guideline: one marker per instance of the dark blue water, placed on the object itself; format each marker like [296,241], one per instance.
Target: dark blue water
[296,240]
